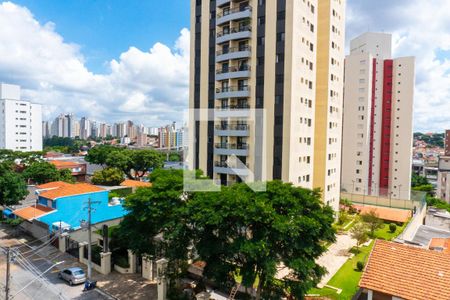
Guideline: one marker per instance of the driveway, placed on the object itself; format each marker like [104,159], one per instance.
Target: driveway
[335,257]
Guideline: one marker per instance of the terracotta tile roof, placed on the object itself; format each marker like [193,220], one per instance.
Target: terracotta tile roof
[52,185]
[66,189]
[440,244]
[31,212]
[135,183]
[386,213]
[64,164]
[407,272]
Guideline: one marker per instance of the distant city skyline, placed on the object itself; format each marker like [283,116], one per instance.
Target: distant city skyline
[143,75]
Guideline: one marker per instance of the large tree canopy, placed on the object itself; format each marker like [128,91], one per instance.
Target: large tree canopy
[235,230]
[134,163]
[12,186]
[256,232]
[108,177]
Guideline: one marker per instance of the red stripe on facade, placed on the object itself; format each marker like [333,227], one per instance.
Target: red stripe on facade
[372,123]
[386,127]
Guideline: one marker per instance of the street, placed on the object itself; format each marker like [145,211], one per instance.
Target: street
[29,260]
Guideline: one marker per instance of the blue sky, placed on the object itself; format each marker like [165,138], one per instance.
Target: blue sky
[104,29]
[121,60]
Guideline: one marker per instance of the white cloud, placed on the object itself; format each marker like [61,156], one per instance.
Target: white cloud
[149,87]
[421,29]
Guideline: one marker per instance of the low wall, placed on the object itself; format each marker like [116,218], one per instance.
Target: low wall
[81,235]
[122,270]
[417,220]
[36,230]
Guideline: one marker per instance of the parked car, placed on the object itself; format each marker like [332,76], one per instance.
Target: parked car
[73,275]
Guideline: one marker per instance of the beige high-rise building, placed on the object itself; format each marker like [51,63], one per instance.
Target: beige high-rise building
[378,112]
[284,57]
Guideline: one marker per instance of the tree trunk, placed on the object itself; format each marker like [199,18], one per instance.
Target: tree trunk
[258,291]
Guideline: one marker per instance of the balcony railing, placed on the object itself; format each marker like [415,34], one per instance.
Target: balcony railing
[243,88]
[234,30]
[233,69]
[232,127]
[234,49]
[224,164]
[231,146]
[233,107]
[228,11]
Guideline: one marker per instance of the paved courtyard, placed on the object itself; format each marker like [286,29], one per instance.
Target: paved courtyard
[336,256]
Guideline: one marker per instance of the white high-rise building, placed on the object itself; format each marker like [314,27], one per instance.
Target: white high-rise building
[20,121]
[285,57]
[378,112]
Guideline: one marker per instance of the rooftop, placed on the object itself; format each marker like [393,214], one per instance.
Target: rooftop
[32,212]
[135,183]
[64,164]
[386,213]
[407,272]
[59,189]
[425,234]
[440,244]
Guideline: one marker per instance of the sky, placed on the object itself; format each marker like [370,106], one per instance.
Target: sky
[117,60]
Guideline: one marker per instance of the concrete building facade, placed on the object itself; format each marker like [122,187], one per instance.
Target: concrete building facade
[20,121]
[378,112]
[443,180]
[284,57]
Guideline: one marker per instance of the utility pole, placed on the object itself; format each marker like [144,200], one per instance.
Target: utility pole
[8,262]
[89,209]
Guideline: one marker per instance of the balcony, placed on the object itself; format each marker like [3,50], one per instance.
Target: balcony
[235,33]
[232,130]
[234,14]
[233,92]
[230,149]
[222,2]
[233,72]
[233,53]
[222,167]
[233,111]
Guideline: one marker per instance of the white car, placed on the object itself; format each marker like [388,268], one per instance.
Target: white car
[73,275]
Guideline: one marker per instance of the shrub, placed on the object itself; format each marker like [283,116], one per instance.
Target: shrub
[343,217]
[360,266]
[122,261]
[392,227]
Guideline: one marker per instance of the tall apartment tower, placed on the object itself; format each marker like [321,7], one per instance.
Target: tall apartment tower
[283,57]
[20,121]
[378,112]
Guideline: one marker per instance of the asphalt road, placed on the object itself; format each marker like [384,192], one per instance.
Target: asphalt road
[29,263]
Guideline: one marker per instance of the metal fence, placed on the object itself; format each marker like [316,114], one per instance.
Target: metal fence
[417,200]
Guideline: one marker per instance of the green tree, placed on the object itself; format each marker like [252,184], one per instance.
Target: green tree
[99,154]
[417,180]
[359,233]
[145,160]
[254,233]
[174,156]
[108,177]
[12,186]
[43,172]
[135,163]
[155,213]
[372,220]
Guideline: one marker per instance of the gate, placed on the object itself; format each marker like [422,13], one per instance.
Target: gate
[72,248]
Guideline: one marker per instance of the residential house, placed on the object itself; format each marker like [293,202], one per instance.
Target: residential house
[397,271]
[77,169]
[64,205]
